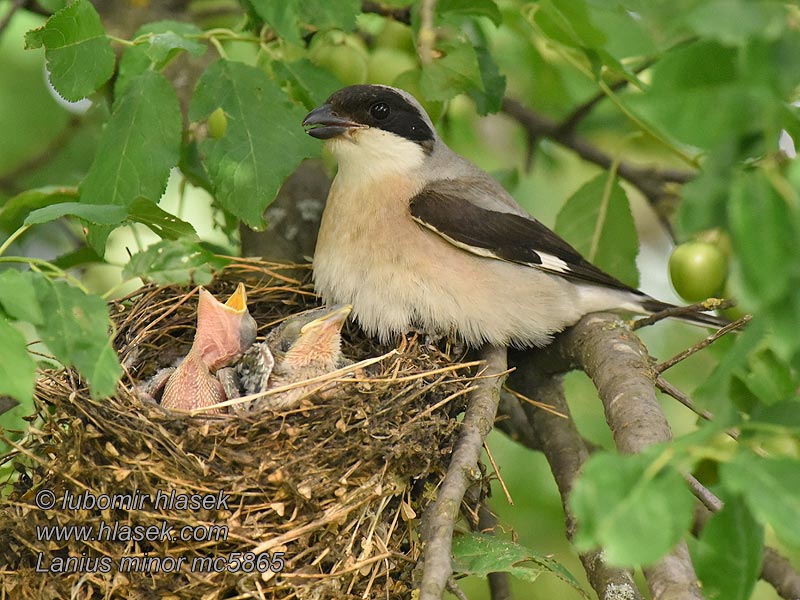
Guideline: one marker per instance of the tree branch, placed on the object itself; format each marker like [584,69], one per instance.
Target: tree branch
[566,453]
[653,183]
[440,517]
[399,14]
[622,371]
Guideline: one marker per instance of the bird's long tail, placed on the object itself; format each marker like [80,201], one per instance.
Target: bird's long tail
[652,305]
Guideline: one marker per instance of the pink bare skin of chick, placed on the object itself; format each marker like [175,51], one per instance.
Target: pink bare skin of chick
[224,332]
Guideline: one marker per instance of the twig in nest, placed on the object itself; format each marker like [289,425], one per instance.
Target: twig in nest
[536,403]
[509,499]
[678,311]
[703,344]
[441,516]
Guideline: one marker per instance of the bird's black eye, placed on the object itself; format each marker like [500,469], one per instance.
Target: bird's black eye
[379,111]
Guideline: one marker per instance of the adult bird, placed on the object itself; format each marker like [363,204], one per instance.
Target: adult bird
[416,237]
[224,332]
[303,347]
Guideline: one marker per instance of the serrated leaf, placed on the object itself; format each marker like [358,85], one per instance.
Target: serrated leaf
[769,378]
[79,55]
[139,147]
[568,22]
[476,8]
[99,214]
[784,414]
[17,368]
[309,83]
[264,141]
[771,489]
[76,329]
[159,43]
[637,514]
[456,71]
[18,296]
[481,554]
[289,18]
[728,554]
[179,261]
[490,98]
[14,211]
[76,258]
[161,222]
[597,221]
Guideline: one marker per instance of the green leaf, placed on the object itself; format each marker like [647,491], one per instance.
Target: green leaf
[99,214]
[785,414]
[13,213]
[162,223]
[481,554]
[76,329]
[260,149]
[79,55]
[308,83]
[163,40]
[568,22]
[17,368]
[290,18]
[18,296]
[769,378]
[140,144]
[169,262]
[456,71]
[735,22]
[767,253]
[635,511]
[77,258]
[597,221]
[490,98]
[728,554]
[476,8]
[771,488]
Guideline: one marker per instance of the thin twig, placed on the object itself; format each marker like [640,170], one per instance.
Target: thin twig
[702,493]
[426,38]
[666,387]
[651,182]
[401,14]
[679,311]
[440,517]
[503,485]
[738,324]
[15,6]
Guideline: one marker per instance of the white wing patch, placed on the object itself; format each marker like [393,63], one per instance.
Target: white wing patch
[549,262]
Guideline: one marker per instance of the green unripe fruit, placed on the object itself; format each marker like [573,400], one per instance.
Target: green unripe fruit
[217,123]
[346,61]
[385,64]
[395,35]
[698,270]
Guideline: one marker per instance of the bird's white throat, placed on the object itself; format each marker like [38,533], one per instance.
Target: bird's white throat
[373,153]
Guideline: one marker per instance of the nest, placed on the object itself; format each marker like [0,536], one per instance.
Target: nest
[322,501]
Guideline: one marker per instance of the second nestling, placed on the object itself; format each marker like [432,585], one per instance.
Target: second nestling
[301,348]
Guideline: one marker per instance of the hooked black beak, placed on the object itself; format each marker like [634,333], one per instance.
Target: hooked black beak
[326,124]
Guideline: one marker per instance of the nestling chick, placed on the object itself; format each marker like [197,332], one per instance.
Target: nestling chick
[224,332]
[416,237]
[302,347]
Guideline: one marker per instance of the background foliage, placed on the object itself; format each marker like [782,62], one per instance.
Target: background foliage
[690,107]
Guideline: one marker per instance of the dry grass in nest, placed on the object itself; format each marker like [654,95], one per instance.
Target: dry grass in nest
[336,485]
